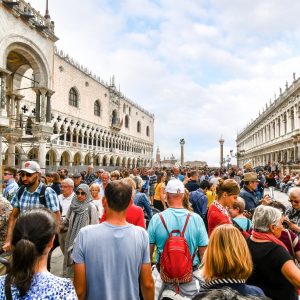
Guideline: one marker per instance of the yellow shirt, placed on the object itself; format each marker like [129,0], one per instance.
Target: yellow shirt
[157,188]
[210,197]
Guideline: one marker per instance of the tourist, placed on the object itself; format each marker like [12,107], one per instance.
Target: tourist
[11,186]
[97,199]
[134,213]
[56,186]
[275,271]
[227,262]
[111,258]
[175,218]
[199,199]
[193,182]
[28,277]
[227,193]
[5,209]
[159,201]
[32,194]
[237,214]
[293,213]
[90,176]
[65,199]
[115,175]
[248,191]
[82,212]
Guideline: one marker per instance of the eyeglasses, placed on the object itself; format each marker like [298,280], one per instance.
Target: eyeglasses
[5,173]
[23,174]
[80,193]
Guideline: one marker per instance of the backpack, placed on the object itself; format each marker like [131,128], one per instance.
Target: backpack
[42,198]
[176,263]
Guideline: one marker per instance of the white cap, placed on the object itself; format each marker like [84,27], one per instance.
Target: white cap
[175,186]
[31,167]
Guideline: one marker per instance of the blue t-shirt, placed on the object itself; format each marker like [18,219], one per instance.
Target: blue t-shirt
[43,286]
[244,223]
[113,256]
[195,232]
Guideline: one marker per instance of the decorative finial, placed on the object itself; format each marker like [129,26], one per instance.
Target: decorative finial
[294,76]
[280,91]
[47,15]
[286,85]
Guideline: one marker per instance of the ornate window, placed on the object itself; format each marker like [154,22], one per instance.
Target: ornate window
[73,97]
[126,121]
[138,126]
[97,108]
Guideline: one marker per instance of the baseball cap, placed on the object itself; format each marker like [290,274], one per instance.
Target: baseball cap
[31,167]
[175,186]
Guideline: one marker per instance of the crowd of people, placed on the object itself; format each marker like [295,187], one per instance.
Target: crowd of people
[149,233]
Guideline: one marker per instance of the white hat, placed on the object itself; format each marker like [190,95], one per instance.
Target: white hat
[175,186]
[31,167]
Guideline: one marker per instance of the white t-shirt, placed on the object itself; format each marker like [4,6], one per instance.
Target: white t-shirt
[99,206]
[65,203]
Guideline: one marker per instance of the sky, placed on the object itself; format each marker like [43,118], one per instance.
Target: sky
[205,68]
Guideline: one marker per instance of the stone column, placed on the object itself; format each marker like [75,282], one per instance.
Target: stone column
[3,75]
[11,151]
[221,141]
[42,153]
[182,142]
[37,105]
[48,105]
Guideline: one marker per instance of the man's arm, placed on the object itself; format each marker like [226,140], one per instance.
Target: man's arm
[11,224]
[201,251]
[147,282]
[151,250]
[80,280]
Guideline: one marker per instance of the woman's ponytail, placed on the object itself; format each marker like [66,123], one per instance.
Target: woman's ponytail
[21,270]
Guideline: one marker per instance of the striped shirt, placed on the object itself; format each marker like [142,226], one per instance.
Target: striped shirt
[31,200]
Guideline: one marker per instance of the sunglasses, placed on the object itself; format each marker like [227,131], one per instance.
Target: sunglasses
[23,174]
[80,193]
[5,173]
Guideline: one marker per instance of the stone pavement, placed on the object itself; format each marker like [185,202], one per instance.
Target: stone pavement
[57,256]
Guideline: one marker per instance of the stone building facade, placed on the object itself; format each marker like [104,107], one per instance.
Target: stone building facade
[56,111]
[274,136]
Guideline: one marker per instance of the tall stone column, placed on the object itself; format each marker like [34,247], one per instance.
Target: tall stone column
[221,141]
[11,151]
[42,153]
[182,142]
[48,105]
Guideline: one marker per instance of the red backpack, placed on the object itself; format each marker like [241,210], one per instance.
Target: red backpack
[176,263]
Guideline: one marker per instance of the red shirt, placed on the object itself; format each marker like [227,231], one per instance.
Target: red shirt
[134,215]
[216,217]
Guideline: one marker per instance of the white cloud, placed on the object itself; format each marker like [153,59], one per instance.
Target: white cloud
[205,68]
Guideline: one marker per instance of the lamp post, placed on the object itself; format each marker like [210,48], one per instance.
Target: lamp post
[221,142]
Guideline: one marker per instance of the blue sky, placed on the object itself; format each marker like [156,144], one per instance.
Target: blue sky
[204,68]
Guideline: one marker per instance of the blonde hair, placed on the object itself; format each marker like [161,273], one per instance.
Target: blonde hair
[95,185]
[130,182]
[186,202]
[227,255]
[115,173]
[229,186]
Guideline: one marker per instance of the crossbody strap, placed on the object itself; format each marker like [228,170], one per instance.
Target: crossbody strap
[292,246]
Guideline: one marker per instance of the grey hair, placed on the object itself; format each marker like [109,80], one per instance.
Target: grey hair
[264,216]
[69,182]
[294,190]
